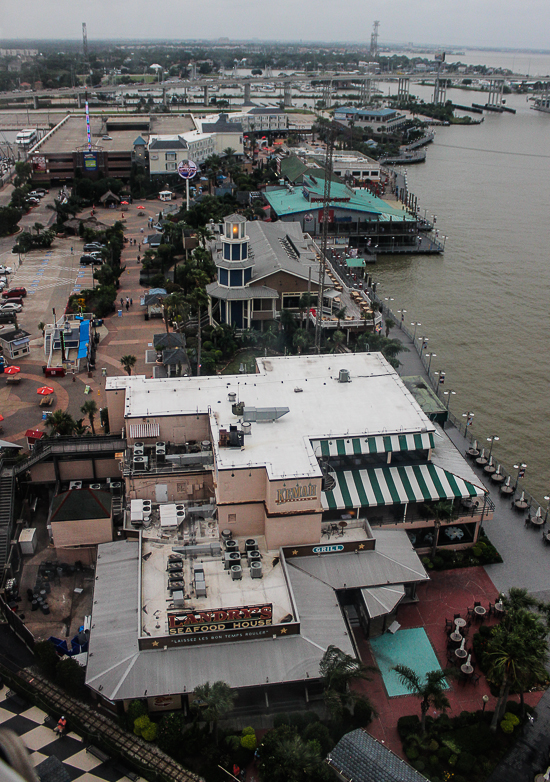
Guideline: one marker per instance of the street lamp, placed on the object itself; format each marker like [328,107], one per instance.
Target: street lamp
[547,498]
[423,344]
[448,394]
[492,440]
[430,356]
[469,416]
[415,324]
[441,376]
[485,700]
[388,299]
[521,467]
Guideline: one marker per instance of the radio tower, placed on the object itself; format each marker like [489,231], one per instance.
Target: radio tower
[324,238]
[374,41]
[85,51]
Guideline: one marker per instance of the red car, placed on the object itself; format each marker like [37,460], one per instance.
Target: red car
[14,293]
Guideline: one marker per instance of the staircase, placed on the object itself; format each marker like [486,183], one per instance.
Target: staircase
[7,487]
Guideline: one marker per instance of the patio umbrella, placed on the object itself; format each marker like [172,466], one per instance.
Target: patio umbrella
[482,454]
[522,498]
[538,514]
[474,446]
[469,659]
[45,391]
[463,643]
[12,370]
[1,417]
[141,207]
[124,203]
[490,464]
[498,470]
[507,481]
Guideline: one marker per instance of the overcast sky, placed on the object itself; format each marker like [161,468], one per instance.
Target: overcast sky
[494,23]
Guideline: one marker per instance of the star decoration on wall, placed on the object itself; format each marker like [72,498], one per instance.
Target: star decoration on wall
[361,546]
[295,552]
[283,630]
[155,643]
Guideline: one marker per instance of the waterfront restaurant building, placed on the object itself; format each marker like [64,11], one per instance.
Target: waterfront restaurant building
[285,511]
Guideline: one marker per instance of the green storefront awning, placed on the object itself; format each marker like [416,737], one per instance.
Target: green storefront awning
[355,263]
[396,485]
[355,446]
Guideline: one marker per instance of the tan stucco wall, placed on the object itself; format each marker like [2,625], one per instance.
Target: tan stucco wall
[196,486]
[249,519]
[292,530]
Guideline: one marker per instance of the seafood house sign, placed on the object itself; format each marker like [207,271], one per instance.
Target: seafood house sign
[306,491]
[189,622]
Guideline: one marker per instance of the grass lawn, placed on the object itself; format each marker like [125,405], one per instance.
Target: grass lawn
[245,357]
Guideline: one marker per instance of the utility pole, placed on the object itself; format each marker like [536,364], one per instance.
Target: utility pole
[324,239]
[374,41]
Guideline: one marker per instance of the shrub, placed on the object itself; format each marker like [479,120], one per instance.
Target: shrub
[444,753]
[408,725]
[249,741]
[280,719]
[248,731]
[453,760]
[316,731]
[466,762]
[419,765]
[511,718]
[412,753]
[433,746]
[477,551]
[297,720]
[149,733]
[71,676]
[362,712]
[141,724]
[136,709]
[435,765]
[47,657]
[438,563]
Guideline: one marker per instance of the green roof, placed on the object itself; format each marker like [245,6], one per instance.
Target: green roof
[81,504]
[355,263]
[292,168]
[290,202]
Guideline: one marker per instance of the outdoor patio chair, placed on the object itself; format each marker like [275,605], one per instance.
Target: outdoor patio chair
[458,616]
[476,603]
[449,624]
[475,678]
[491,609]
[470,613]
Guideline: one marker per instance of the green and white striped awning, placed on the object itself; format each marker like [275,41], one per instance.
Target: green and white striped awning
[355,446]
[396,485]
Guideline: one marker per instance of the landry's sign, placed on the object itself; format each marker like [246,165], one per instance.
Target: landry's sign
[189,622]
[306,491]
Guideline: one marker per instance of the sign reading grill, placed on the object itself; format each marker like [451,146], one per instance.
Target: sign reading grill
[188,622]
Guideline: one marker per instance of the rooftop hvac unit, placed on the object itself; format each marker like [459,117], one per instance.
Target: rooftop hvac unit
[138,450]
[344,376]
[226,535]
[256,570]
[237,572]
[140,463]
[75,485]
[206,445]
[161,455]
[232,396]
[95,486]
[235,557]
[177,599]
[116,487]
[180,508]
[139,445]
[146,504]
[160,444]
[254,556]
[251,544]
[231,545]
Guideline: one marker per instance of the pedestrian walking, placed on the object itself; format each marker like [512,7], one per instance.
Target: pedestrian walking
[139,246]
[139,258]
[127,305]
[127,300]
[121,301]
[72,251]
[131,301]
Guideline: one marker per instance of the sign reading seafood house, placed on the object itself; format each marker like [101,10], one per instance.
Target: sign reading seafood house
[296,493]
[188,622]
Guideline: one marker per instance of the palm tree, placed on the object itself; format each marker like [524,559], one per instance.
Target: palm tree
[291,760]
[212,701]
[338,671]
[60,423]
[517,654]
[199,299]
[431,689]
[203,234]
[213,165]
[176,310]
[38,227]
[340,314]
[80,429]
[90,409]
[306,301]
[128,362]
[337,338]
[389,325]
[301,340]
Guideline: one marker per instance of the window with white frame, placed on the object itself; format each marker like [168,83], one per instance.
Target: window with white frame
[170,166]
[170,156]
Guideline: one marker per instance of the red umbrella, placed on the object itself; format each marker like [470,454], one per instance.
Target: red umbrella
[1,417]
[45,391]
[12,370]
[141,207]
[124,203]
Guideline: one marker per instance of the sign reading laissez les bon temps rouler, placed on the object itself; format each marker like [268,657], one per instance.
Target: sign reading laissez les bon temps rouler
[189,622]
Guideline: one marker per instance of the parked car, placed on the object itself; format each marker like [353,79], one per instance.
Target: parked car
[14,293]
[32,201]
[10,307]
[7,317]
[36,194]
[91,260]
[92,247]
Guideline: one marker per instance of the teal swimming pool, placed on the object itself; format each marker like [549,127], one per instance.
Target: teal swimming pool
[405,647]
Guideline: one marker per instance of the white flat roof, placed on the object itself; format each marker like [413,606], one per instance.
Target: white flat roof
[375,402]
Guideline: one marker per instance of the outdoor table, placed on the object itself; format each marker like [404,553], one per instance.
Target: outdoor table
[460,622]
[481,461]
[467,504]
[537,521]
[489,469]
[461,653]
[467,669]
[546,537]
[480,610]
[499,607]
[521,505]
[473,453]
[342,525]
[454,533]
[456,637]
[507,490]
[498,477]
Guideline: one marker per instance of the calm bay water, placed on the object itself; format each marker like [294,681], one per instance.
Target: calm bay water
[485,304]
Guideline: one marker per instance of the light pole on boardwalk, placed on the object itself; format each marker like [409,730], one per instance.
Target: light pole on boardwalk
[448,394]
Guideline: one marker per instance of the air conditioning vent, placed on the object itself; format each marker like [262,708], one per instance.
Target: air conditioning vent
[236,572]
[256,570]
